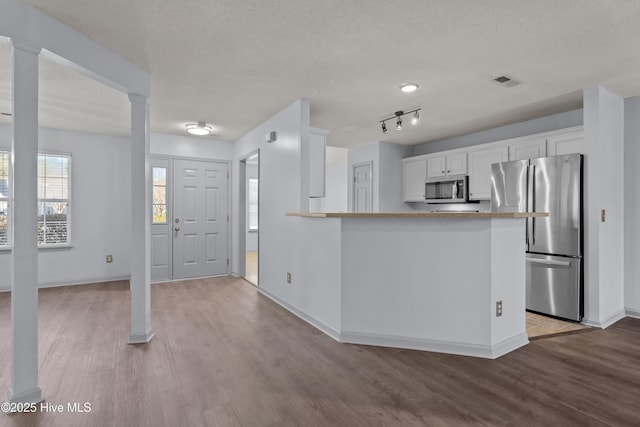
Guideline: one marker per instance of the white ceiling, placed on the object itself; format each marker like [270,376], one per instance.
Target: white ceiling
[236,63]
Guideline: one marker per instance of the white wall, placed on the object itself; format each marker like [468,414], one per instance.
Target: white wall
[337,181]
[100,210]
[390,176]
[632,206]
[542,124]
[101,202]
[287,244]
[604,181]
[190,146]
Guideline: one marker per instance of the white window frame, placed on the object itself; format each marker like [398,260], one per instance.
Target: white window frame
[166,196]
[43,245]
[7,199]
[252,204]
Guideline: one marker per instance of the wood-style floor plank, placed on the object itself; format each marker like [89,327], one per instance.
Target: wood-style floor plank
[226,356]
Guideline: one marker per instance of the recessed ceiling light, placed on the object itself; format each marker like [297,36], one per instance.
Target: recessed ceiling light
[408,87]
[200,128]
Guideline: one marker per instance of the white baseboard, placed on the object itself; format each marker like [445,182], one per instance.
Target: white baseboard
[632,312]
[73,282]
[607,321]
[302,315]
[464,349]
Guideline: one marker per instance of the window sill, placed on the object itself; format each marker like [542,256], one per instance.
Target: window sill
[53,247]
[40,247]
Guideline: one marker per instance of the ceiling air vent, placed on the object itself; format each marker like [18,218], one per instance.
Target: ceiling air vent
[506,81]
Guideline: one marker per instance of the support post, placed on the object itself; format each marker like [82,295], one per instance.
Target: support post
[24,260]
[141,331]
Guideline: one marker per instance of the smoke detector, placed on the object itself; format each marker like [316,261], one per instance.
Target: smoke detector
[506,81]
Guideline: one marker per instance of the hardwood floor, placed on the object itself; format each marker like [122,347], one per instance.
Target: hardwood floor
[224,355]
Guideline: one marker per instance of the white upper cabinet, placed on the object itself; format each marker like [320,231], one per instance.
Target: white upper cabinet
[528,149]
[568,142]
[414,175]
[480,162]
[477,161]
[454,164]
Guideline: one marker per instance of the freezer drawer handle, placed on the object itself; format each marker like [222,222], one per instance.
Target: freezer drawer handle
[549,262]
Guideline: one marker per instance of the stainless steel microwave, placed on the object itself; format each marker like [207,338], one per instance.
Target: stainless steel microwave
[447,189]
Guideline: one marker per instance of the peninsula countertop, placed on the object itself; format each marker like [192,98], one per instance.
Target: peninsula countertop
[420,214]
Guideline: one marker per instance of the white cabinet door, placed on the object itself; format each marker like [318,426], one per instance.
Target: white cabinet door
[414,174]
[528,149]
[480,171]
[457,164]
[565,143]
[436,166]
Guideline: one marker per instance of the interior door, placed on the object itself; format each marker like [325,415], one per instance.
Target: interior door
[362,188]
[200,218]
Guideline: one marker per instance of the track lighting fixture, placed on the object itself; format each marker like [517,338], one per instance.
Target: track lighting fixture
[398,116]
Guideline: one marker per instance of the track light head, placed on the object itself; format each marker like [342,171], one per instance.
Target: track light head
[415,118]
[384,128]
[399,124]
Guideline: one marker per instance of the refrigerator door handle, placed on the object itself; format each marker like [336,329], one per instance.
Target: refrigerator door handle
[549,262]
[531,205]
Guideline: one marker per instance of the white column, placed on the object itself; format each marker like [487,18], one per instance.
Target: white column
[141,331]
[24,276]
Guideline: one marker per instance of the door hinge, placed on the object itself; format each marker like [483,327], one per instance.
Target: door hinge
[227,261]
[227,175]
[227,218]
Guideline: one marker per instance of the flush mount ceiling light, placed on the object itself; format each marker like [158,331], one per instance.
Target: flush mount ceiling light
[408,87]
[200,128]
[398,117]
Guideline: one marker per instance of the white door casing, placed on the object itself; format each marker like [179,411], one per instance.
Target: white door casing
[362,190]
[200,218]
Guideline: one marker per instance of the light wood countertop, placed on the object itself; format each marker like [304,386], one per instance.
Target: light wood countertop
[420,214]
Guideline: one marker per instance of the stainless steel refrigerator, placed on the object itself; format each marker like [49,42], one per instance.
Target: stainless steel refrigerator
[554,244]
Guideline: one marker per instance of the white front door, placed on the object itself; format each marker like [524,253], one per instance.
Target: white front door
[362,188]
[200,218]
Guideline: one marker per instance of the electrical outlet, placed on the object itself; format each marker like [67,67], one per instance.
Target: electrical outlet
[288,277]
[109,258]
[498,308]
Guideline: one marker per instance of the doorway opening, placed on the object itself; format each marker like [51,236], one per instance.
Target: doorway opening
[250,171]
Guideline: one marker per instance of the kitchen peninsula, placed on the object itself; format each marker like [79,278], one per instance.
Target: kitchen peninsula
[422,280]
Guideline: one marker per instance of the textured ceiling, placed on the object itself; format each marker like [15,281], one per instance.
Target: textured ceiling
[236,63]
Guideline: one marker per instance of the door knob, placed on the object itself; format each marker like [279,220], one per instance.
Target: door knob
[177,228]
